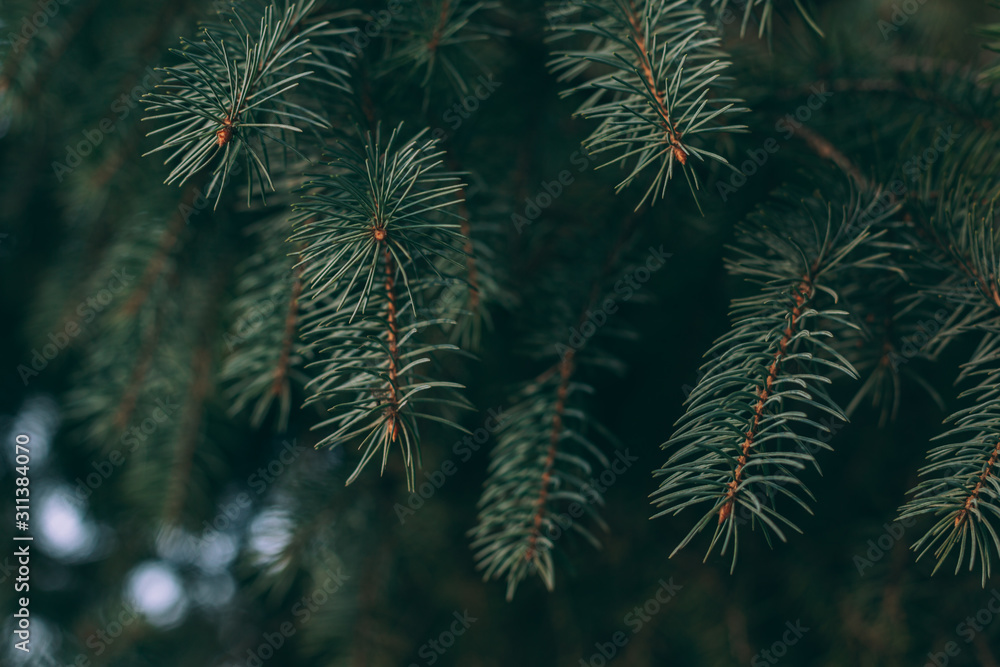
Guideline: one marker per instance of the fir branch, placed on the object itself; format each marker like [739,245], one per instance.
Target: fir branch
[469,302]
[44,66]
[291,322]
[431,40]
[189,432]
[188,435]
[558,412]
[141,367]
[236,89]
[267,355]
[826,150]
[740,444]
[160,261]
[542,459]
[961,484]
[380,235]
[658,104]
[515,534]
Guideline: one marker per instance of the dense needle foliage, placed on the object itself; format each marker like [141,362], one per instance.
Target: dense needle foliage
[396,333]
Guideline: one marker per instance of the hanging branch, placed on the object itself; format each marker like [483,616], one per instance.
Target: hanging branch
[542,460]
[654,80]
[961,483]
[380,237]
[267,356]
[236,89]
[742,440]
[431,39]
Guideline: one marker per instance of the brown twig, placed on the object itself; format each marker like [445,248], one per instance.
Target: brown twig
[565,371]
[291,321]
[974,495]
[822,147]
[803,292]
[392,404]
[75,25]
[144,362]
[56,49]
[470,254]
[565,368]
[187,440]
[673,135]
[194,413]
[157,265]
[435,40]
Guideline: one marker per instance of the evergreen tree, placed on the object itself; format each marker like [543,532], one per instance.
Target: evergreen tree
[346,332]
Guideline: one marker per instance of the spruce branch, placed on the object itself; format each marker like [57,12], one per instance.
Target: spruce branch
[540,459]
[380,238]
[654,78]
[267,355]
[189,435]
[431,40]
[470,302]
[961,480]
[237,89]
[546,455]
[742,441]
[896,328]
